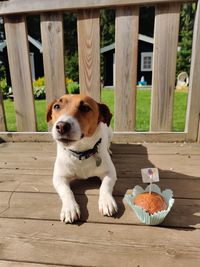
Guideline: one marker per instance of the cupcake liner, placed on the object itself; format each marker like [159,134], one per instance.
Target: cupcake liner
[143,216]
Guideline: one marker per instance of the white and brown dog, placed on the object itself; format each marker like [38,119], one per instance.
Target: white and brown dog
[81,130]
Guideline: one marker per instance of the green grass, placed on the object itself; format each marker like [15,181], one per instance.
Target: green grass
[142,109]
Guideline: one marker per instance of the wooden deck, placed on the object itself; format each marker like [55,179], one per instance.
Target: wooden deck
[32,235]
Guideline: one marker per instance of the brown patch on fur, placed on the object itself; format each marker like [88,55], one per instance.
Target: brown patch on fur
[49,111]
[104,114]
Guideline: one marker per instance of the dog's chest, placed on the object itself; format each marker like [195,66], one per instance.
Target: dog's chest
[84,168]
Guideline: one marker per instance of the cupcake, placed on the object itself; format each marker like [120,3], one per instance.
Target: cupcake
[150,208]
[150,202]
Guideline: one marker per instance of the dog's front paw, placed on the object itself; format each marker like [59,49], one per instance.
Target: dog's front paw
[107,205]
[70,213]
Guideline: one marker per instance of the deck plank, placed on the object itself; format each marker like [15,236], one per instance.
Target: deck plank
[45,242]
[8,263]
[140,149]
[169,165]
[182,187]
[46,206]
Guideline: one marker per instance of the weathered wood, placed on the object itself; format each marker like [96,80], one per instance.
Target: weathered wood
[182,187]
[193,108]
[22,6]
[18,55]
[130,173]
[133,137]
[89,52]
[164,65]
[25,137]
[40,159]
[53,55]
[28,205]
[56,243]
[2,114]
[126,51]
[42,148]
[8,263]
[29,211]
[177,164]
[119,137]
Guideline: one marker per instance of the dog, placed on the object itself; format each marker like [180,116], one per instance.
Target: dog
[82,133]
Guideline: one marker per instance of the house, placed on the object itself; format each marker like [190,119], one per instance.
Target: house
[35,48]
[145,56]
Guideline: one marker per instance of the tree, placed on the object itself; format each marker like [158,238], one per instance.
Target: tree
[185,37]
[107,24]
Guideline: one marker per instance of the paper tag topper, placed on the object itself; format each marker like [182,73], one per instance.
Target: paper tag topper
[150,175]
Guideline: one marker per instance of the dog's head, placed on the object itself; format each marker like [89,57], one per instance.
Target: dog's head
[75,117]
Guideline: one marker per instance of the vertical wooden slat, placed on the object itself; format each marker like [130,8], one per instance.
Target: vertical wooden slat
[193,109]
[53,55]
[126,50]
[2,114]
[164,65]
[18,56]
[89,52]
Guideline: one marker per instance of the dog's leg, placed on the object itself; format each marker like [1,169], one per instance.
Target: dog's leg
[107,204]
[70,211]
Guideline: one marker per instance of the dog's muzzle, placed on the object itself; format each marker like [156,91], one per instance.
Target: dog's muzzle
[63,127]
[66,130]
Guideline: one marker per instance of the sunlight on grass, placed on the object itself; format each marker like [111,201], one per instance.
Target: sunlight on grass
[107,97]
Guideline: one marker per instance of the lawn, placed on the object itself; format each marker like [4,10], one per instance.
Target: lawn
[142,109]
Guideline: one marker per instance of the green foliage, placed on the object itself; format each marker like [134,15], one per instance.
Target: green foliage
[4,87]
[71,46]
[73,88]
[71,66]
[39,82]
[107,24]
[39,92]
[185,42]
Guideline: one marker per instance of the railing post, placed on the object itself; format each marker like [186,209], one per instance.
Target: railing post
[53,55]
[164,65]
[19,62]
[193,108]
[126,52]
[89,52]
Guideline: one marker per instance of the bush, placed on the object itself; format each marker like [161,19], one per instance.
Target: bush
[39,82]
[72,87]
[39,90]
[4,87]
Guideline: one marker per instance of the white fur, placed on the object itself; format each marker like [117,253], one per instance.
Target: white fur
[68,167]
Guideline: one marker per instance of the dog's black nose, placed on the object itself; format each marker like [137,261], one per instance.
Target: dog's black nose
[63,127]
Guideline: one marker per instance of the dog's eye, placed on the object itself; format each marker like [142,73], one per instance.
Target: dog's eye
[56,107]
[84,108]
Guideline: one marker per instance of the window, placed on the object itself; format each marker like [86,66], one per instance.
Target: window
[146,61]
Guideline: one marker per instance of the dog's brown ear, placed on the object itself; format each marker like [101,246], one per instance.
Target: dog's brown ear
[104,114]
[49,111]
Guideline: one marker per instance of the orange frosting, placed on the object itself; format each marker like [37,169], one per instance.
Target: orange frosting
[150,202]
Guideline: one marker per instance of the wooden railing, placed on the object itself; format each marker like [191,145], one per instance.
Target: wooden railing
[126,50]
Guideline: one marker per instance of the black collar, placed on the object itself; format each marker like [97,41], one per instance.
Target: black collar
[86,154]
